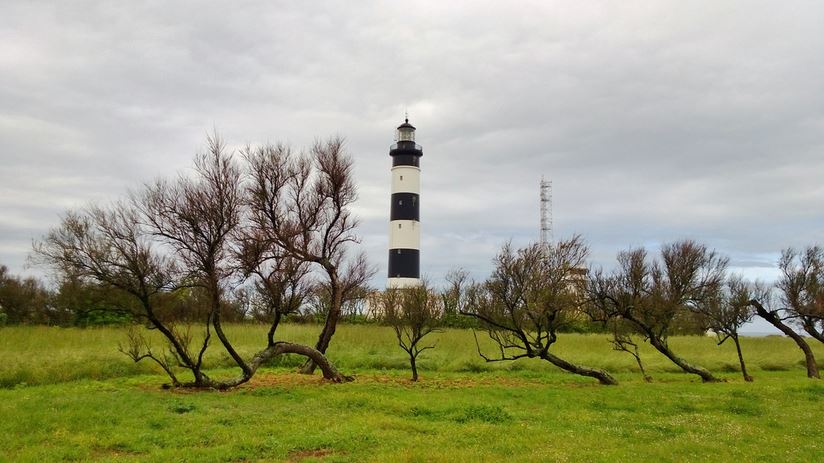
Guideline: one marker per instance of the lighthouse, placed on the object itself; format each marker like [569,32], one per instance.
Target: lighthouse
[404,211]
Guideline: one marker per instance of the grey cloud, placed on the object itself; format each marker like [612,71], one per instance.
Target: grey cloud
[655,121]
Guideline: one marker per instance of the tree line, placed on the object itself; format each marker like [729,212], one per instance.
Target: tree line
[536,291]
[267,233]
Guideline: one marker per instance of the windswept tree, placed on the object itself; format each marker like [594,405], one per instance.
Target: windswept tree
[532,293]
[651,295]
[800,299]
[802,288]
[281,287]
[301,204]
[413,313]
[195,218]
[109,246]
[177,236]
[727,311]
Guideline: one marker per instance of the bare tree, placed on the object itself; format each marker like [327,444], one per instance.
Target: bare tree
[802,288]
[195,217]
[652,295]
[531,293]
[412,313]
[727,310]
[185,234]
[108,245]
[302,205]
[799,287]
[281,288]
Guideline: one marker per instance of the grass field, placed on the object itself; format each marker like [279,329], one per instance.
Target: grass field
[67,394]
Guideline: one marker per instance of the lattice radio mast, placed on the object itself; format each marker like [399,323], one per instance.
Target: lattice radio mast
[546,212]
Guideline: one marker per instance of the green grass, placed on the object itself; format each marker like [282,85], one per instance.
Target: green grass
[70,396]
[47,355]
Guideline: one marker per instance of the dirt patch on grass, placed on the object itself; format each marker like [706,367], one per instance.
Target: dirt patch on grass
[282,379]
[300,455]
[292,380]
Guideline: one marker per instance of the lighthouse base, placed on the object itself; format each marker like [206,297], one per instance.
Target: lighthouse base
[400,283]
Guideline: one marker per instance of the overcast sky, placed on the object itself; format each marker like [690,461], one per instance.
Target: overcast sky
[654,120]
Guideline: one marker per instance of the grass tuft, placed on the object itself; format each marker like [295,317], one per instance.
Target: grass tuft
[494,414]
[182,407]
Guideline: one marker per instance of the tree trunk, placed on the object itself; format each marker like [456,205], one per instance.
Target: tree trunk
[812,367]
[747,377]
[414,367]
[330,373]
[215,296]
[661,346]
[647,377]
[809,327]
[602,376]
[329,326]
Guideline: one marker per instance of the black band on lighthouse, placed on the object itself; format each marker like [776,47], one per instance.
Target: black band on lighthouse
[406,160]
[405,206]
[404,263]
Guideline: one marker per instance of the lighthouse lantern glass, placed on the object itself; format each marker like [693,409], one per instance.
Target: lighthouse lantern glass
[406,134]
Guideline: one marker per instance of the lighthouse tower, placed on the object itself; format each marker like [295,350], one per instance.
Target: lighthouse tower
[404,215]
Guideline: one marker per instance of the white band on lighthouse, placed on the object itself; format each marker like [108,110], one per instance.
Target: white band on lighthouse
[406,179]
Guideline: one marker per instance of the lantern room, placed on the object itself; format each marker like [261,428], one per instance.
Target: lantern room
[405,132]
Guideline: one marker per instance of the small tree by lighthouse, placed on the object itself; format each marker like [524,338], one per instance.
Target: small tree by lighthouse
[404,214]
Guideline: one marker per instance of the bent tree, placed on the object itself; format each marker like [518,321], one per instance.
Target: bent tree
[301,205]
[109,246]
[802,288]
[728,310]
[801,300]
[651,295]
[171,237]
[531,294]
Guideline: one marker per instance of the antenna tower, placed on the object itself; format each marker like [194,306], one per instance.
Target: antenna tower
[546,212]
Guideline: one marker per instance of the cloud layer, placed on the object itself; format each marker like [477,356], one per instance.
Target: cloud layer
[654,121]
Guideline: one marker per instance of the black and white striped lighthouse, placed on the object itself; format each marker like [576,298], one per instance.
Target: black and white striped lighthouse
[404,215]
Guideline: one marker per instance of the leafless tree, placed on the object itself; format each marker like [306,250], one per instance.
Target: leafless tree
[412,313]
[727,310]
[195,217]
[531,293]
[765,308]
[302,205]
[651,295]
[802,288]
[801,296]
[181,235]
[109,246]
[281,288]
